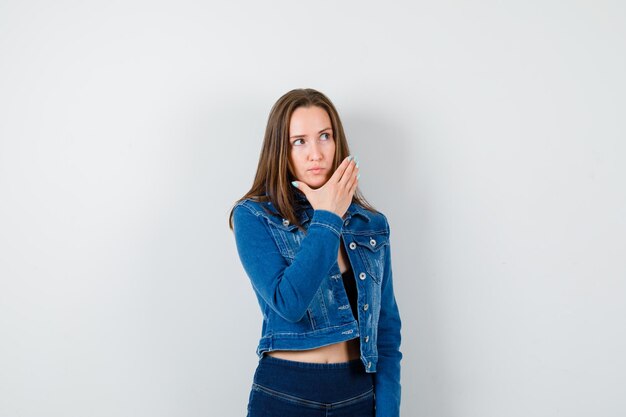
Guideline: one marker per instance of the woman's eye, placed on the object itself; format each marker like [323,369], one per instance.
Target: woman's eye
[327,135]
[295,142]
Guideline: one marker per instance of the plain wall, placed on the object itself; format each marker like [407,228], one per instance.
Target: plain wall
[491,134]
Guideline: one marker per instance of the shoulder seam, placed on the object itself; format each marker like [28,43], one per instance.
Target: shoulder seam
[247,206]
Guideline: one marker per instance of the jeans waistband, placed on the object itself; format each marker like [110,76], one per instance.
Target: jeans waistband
[321,382]
[354,363]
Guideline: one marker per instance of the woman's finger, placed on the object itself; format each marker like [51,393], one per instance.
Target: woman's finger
[353,188]
[352,183]
[347,174]
[302,187]
[340,170]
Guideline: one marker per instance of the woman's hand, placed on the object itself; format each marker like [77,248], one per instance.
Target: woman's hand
[336,194]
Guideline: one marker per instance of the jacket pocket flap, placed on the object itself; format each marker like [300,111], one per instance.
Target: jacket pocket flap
[373,242]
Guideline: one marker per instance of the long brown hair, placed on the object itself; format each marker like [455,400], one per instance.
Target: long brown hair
[274,175]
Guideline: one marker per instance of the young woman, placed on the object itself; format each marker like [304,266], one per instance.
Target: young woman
[318,257]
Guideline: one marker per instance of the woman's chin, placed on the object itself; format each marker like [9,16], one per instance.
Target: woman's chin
[315,184]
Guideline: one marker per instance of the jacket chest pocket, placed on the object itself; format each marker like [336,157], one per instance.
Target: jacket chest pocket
[371,249]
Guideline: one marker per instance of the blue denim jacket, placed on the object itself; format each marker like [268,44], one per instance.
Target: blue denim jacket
[299,287]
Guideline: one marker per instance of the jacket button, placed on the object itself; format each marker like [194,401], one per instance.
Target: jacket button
[352,245]
[346,222]
[366,306]
[369,365]
[367,339]
[372,242]
[285,222]
[362,275]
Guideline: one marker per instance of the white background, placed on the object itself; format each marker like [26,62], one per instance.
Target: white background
[491,133]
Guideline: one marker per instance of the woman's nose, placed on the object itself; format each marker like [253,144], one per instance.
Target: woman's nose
[315,153]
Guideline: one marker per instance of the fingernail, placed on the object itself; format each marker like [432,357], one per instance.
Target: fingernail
[295,184]
[357,176]
[350,158]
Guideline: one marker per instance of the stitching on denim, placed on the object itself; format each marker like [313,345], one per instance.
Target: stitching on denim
[381,241]
[323,307]
[274,218]
[281,241]
[287,397]
[328,329]
[258,212]
[366,232]
[251,209]
[365,253]
[326,226]
[314,404]
[352,400]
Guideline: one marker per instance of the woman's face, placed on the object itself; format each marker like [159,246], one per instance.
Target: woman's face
[312,145]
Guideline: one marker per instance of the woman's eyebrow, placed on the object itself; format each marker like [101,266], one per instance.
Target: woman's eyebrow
[301,136]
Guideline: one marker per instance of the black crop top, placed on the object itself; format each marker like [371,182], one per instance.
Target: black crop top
[350,286]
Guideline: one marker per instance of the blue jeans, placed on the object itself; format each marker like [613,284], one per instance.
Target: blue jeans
[285,388]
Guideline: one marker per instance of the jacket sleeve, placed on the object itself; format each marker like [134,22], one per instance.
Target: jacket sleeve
[387,377]
[287,289]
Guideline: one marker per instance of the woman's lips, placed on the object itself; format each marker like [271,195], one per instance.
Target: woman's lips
[316,170]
